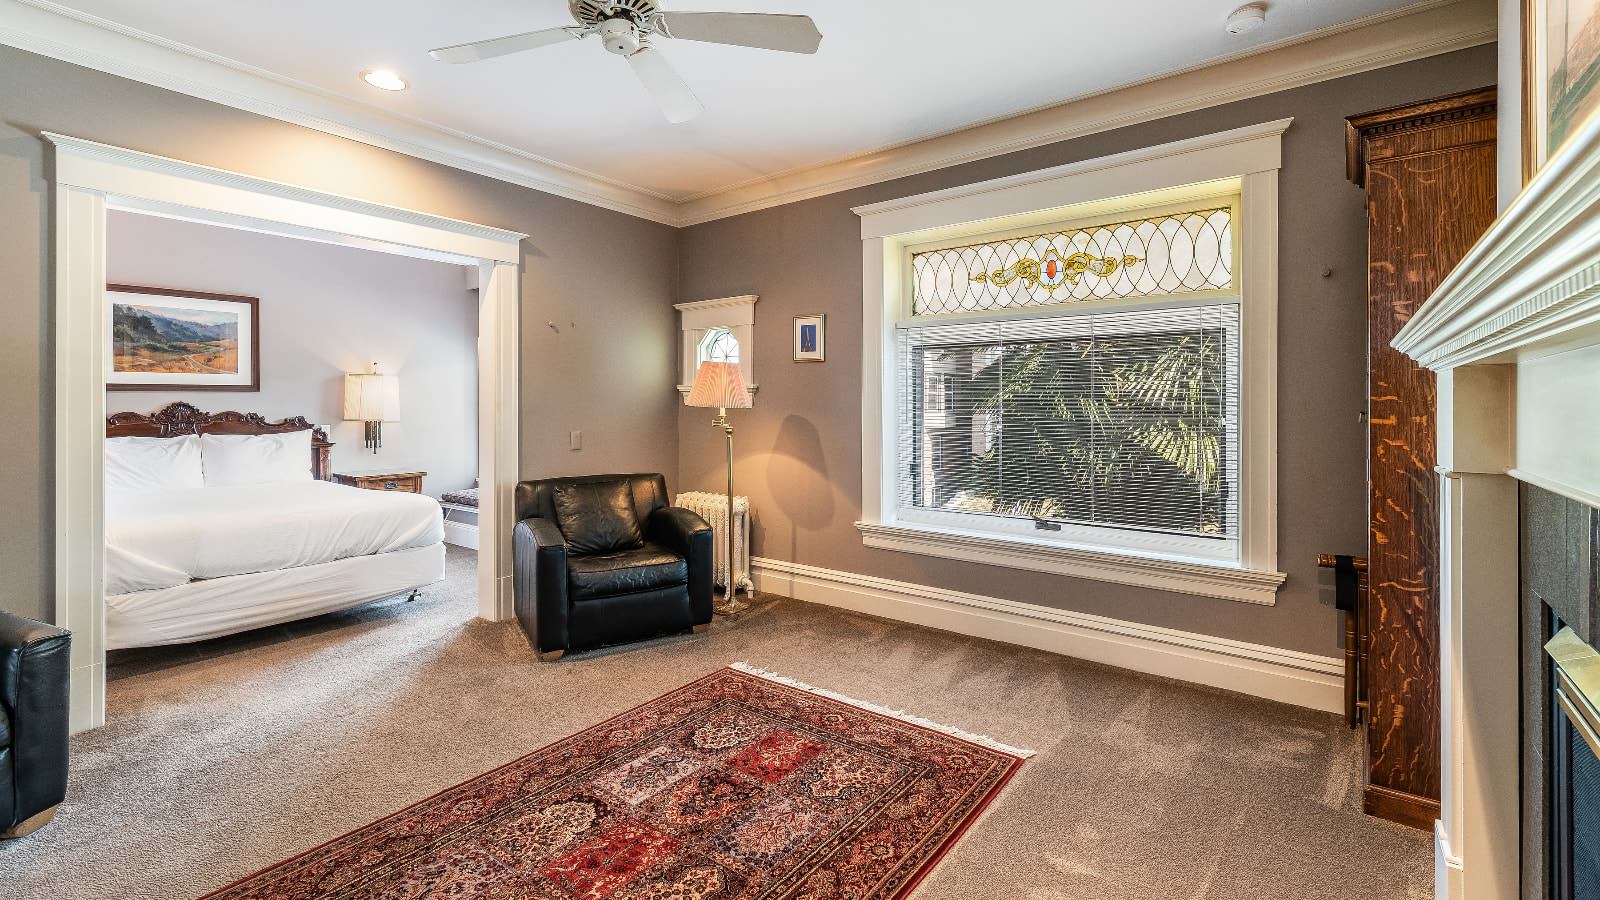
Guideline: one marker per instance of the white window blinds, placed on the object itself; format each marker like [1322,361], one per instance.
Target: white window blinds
[1125,419]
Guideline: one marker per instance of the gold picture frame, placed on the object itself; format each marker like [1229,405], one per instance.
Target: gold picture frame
[1560,75]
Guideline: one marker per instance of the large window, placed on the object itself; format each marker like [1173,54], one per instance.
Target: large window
[1077,384]
[1075,370]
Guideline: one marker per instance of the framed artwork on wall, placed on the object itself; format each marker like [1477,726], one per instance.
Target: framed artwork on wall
[1560,75]
[808,338]
[157,339]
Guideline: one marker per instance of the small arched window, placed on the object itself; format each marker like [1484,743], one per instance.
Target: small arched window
[719,345]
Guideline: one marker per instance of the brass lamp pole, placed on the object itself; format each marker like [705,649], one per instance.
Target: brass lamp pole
[721,386]
[730,602]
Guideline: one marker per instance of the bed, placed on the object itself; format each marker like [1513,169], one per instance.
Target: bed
[258,537]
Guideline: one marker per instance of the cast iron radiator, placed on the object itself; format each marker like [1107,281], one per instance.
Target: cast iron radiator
[714,509]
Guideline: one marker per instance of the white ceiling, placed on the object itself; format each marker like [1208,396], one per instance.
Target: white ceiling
[889,71]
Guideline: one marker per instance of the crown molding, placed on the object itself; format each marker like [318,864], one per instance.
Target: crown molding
[1414,32]
[49,29]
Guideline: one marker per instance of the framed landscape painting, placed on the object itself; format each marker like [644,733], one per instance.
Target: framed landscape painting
[1560,72]
[166,340]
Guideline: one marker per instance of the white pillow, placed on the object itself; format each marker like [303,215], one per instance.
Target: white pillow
[139,465]
[256,458]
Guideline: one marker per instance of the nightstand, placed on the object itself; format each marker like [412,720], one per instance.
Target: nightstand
[409,482]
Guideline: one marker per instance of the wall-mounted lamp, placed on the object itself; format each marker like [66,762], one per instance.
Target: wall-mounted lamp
[373,399]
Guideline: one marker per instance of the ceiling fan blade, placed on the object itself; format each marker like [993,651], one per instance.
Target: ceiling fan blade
[791,34]
[665,85]
[516,43]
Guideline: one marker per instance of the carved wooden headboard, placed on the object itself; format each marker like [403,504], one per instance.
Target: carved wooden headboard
[180,418]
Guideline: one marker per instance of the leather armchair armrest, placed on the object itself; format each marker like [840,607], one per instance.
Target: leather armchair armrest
[35,662]
[539,582]
[686,534]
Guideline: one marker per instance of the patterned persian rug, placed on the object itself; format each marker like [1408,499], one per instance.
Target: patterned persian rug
[740,785]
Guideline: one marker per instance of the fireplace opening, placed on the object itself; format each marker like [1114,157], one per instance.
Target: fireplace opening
[1574,766]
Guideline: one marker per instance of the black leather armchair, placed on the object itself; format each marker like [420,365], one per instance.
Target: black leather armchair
[34,665]
[602,559]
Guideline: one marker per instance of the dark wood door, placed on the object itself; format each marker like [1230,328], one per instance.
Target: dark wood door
[1429,173]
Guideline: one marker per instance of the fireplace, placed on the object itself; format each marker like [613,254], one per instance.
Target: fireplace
[1560,697]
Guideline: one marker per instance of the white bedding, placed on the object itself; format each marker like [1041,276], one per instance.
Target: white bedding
[201,610]
[168,538]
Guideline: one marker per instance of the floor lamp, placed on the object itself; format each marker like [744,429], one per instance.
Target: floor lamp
[721,385]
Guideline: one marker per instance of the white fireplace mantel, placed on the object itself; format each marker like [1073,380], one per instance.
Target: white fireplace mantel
[1513,334]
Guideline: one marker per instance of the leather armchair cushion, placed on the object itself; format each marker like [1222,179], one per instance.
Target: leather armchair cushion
[644,568]
[597,516]
[5,729]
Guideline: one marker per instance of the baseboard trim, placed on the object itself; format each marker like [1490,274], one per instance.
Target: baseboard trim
[1400,807]
[461,535]
[1447,872]
[1287,676]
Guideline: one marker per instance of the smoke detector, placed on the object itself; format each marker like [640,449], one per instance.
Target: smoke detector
[1247,18]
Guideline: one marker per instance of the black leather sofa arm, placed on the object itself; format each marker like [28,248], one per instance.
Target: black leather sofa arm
[539,582]
[687,534]
[35,663]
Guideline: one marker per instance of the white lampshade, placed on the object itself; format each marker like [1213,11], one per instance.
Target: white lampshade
[720,385]
[372,398]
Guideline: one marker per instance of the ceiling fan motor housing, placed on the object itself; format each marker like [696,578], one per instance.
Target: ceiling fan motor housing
[597,12]
[620,36]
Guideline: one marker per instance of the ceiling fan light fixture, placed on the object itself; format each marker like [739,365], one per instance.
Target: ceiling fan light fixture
[384,80]
[631,29]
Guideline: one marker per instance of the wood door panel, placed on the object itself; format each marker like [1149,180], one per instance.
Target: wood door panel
[1429,172]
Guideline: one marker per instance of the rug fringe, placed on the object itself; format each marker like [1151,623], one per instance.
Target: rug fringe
[900,714]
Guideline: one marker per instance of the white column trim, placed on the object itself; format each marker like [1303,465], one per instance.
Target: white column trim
[499,339]
[80,440]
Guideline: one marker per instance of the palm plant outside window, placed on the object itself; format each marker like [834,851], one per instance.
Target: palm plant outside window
[1078,383]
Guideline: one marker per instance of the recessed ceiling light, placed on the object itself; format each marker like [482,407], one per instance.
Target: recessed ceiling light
[383,79]
[1247,18]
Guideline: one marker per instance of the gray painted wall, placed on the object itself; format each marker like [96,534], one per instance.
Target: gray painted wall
[599,332]
[799,450]
[327,310]
[609,371]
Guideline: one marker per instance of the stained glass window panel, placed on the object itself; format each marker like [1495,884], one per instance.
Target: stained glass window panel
[1178,253]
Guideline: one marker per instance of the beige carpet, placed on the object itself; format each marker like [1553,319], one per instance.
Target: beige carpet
[222,758]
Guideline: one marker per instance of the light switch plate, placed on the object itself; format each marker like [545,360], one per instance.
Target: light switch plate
[575,440]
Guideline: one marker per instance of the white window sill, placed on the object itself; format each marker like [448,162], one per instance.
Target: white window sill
[1202,579]
[684,389]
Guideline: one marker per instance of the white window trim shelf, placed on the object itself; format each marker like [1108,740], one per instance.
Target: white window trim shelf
[1242,161]
[1200,579]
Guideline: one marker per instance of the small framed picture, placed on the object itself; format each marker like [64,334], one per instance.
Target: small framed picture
[808,338]
[158,339]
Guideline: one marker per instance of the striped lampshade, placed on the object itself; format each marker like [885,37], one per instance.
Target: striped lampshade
[720,385]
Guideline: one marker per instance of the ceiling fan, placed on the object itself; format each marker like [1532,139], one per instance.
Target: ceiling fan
[628,27]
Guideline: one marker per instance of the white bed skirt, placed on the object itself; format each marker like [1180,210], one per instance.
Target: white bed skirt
[220,606]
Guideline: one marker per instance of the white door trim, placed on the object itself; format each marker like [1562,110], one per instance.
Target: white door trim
[90,178]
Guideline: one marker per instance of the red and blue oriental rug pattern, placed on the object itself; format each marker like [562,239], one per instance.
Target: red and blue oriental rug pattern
[735,786]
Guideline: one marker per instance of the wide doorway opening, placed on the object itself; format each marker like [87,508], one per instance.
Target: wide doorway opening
[102,191]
